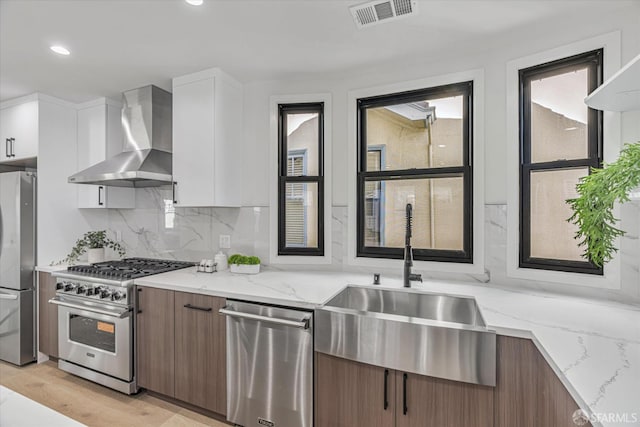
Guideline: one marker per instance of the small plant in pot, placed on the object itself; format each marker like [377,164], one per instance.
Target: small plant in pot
[93,243]
[244,264]
[597,195]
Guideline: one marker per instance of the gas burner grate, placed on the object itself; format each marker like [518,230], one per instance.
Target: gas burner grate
[129,268]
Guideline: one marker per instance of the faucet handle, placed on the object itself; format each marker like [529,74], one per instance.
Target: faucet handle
[415,277]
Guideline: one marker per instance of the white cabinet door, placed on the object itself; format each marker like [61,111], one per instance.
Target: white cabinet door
[99,137]
[101,197]
[5,135]
[19,132]
[207,117]
[91,196]
[193,143]
[91,150]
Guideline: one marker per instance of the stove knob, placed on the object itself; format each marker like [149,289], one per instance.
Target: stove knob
[81,289]
[69,287]
[90,291]
[59,285]
[105,294]
[117,296]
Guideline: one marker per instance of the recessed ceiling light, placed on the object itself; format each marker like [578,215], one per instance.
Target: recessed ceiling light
[61,50]
[195,2]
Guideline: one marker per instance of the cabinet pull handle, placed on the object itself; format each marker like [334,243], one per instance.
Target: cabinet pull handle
[195,307]
[386,381]
[404,394]
[13,147]
[100,190]
[138,301]
[175,199]
[7,147]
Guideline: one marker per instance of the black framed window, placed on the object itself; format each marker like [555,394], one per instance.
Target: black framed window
[560,141]
[416,147]
[301,179]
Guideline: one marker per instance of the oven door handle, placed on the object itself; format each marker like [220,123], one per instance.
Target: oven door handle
[117,314]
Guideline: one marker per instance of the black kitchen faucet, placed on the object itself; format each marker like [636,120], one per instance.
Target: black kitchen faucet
[408,276]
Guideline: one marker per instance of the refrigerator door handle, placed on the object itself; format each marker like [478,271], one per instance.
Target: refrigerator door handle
[8,296]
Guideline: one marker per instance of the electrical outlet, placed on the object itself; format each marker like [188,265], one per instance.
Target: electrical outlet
[225,241]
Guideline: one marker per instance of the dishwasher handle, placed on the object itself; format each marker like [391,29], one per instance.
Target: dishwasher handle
[301,324]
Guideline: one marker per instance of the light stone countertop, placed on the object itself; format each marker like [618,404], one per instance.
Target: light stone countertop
[593,347]
[51,268]
[17,410]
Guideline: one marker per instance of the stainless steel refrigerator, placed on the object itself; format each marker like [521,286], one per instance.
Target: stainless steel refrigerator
[17,267]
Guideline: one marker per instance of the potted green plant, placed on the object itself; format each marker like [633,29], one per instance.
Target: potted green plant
[244,264]
[93,242]
[593,208]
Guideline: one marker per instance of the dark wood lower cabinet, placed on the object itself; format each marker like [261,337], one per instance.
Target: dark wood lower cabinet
[155,323]
[352,394]
[181,347]
[437,402]
[200,352]
[528,393]
[47,315]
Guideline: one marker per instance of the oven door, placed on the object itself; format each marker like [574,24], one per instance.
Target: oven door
[96,336]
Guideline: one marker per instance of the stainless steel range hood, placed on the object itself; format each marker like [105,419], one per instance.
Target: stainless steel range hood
[145,160]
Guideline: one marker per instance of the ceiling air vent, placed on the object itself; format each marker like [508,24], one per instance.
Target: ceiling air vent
[376,12]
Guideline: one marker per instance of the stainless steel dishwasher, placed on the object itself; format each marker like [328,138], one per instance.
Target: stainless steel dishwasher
[269,365]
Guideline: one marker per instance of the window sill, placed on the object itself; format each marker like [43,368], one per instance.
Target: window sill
[439,267]
[301,260]
[610,279]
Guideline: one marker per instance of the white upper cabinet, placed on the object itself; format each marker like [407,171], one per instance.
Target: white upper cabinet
[100,137]
[207,140]
[19,127]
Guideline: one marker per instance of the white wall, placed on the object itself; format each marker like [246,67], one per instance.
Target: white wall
[491,54]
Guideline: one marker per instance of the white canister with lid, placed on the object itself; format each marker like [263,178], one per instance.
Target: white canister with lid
[221,261]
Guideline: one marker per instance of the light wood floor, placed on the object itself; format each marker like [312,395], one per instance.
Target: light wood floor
[92,404]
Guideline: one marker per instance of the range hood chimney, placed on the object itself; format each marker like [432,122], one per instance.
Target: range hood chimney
[145,160]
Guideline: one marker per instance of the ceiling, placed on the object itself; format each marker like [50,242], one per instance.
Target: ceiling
[118,45]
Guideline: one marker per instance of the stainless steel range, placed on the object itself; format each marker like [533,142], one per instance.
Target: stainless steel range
[96,318]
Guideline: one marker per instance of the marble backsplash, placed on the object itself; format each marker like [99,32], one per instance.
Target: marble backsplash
[156,229]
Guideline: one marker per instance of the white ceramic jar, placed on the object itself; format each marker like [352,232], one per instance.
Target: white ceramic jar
[221,261]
